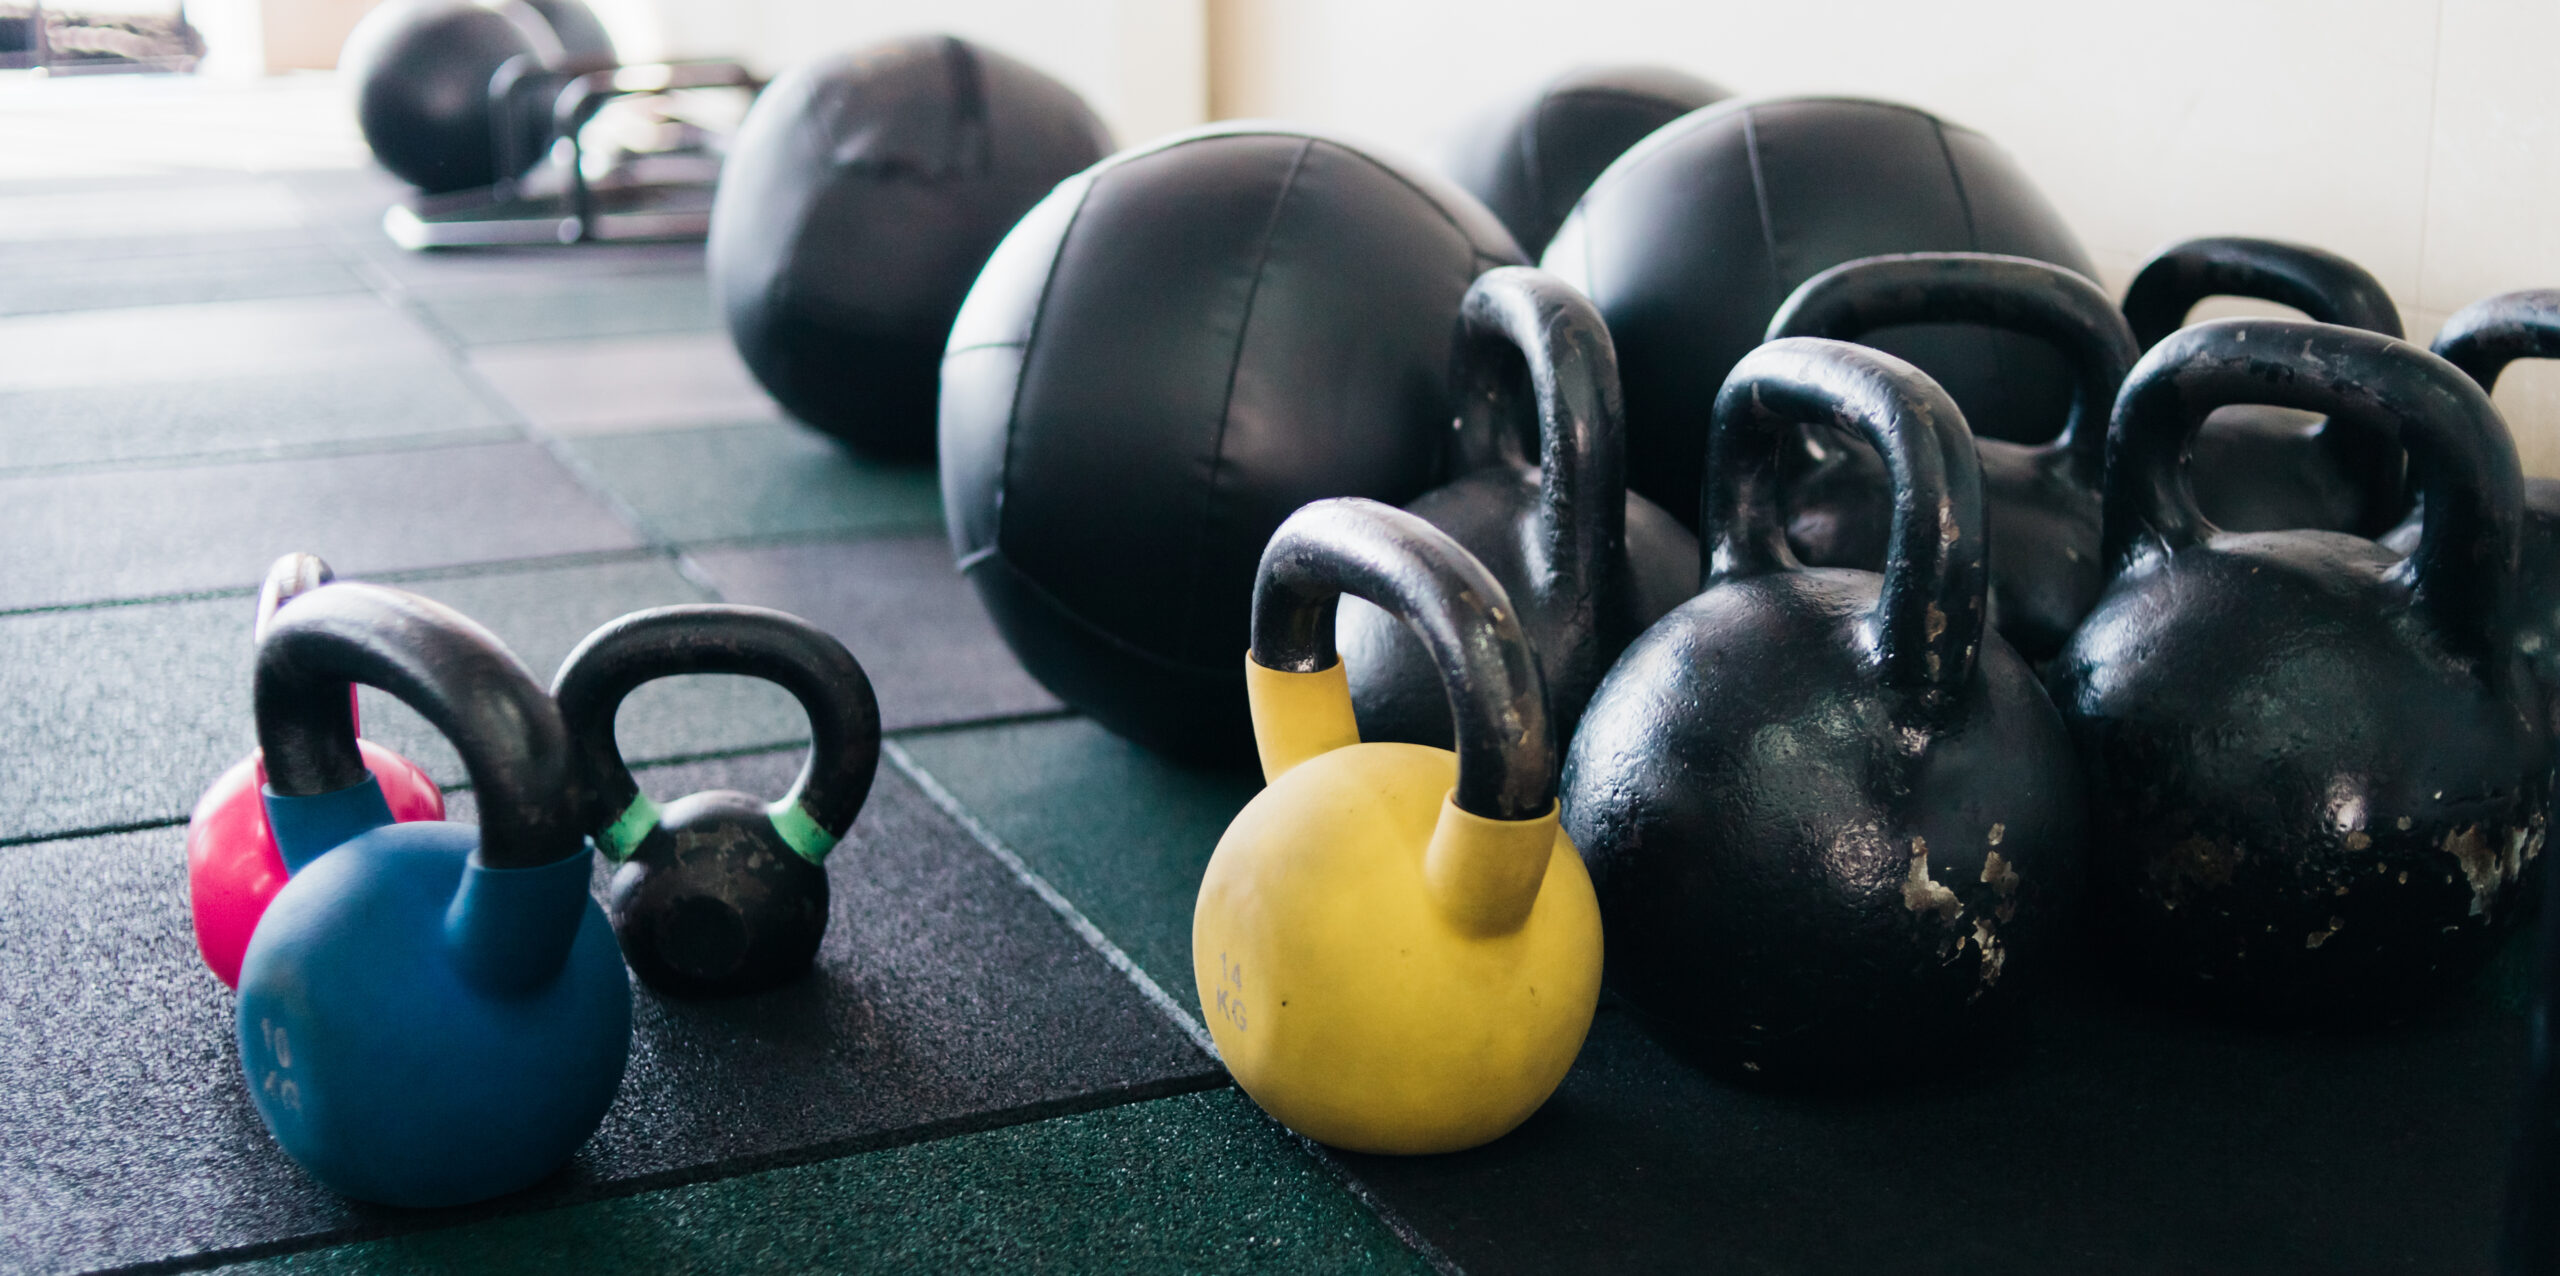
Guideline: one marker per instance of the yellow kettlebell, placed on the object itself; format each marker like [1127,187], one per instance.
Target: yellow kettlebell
[1397,947]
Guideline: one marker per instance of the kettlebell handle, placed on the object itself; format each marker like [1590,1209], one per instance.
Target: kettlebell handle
[2014,294]
[1519,317]
[2461,577]
[2321,284]
[288,578]
[2484,337]
[1930,610]
[757,642]
[456,674]
[1415,573]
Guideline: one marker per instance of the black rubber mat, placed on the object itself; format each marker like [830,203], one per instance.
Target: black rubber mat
[947,998]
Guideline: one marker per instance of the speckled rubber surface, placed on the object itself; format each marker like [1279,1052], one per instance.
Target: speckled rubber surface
[945,999]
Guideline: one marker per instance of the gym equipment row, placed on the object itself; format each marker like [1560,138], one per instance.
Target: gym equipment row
[1822,617]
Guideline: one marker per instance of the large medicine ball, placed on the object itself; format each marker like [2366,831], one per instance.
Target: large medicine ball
[422,69]
[1169,355]
[857,203]
[1692,239]
[1530,157]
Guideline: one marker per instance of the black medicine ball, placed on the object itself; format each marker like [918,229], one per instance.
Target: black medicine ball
[1167,357]
[1531,157]
[859,200]
[1691,240]
[422,70]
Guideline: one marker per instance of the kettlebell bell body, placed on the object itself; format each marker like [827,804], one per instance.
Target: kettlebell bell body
[2040,500]
[1588,563]
[429,1014]
[233,866]
[1396,947]
[719,893]
[2482,339]
[2319,771]
[1832,821]
[2258,467]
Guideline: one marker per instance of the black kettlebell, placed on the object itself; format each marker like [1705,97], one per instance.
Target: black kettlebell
[2482,339]
[1831,818]
[2040,500]
[719,893]
[2529,1237]
[1588,563]
[2260,468]
[2318,769]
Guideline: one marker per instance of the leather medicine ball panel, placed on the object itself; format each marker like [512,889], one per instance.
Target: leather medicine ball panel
[860,199]
[1161,363]
[1531,157]
[1689,243]
[421,70]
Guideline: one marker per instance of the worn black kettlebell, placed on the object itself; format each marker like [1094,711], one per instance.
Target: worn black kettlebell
[2040,500]
[2257,467]
[2318,769]
[1832,820]
[2482,339]
[1588,563]
[720,893]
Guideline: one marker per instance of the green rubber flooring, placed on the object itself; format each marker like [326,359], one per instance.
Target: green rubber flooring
[997,1064]
[1193,1184]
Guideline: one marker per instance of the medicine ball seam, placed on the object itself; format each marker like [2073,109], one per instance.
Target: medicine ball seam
[1429,201]
[1227,398]
[1995,351]
[968,106]
[1030,338]
[1760,196]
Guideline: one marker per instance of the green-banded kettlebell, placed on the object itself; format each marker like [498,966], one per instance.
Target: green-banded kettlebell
[2482,339]
[2258,467]
[1833,822]
[2040,500]
[2318,769]
[719,893]
[1588,563]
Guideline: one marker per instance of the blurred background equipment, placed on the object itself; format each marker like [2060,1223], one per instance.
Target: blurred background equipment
[489,110]
[101,35]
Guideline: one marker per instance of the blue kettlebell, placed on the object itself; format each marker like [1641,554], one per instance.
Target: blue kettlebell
[430,1013]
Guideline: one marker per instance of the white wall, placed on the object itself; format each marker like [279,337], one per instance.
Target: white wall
[2420,138]
[1143,64]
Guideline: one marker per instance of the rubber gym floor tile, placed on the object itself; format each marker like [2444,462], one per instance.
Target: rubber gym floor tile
[2118,1140]
[214,339]
[946,999]
[759,481]
[1119,831]
[97,281]
[902,609]
[511,308]
[1198,1183]
[121,715]
[349,408]
[76,538]
[126,208]
[628,383]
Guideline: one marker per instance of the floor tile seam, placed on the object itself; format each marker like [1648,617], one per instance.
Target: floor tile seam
[645,762]
[473,436]
[1074,917]
[785,540]
[297,294]
[1396,1224]
[404,575]
[707,1172]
